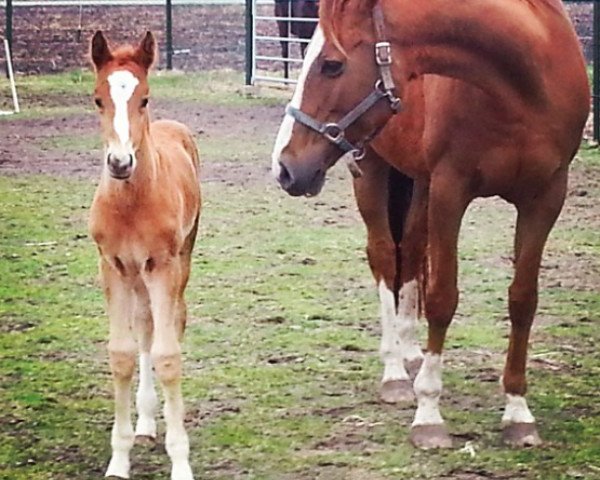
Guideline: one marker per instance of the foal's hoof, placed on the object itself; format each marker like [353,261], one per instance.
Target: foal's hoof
[427,437]
[521,435]
[146,440]
[395,391]
[413,366]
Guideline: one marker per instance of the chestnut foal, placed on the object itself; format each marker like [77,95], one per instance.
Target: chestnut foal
[144,220]
[495,97]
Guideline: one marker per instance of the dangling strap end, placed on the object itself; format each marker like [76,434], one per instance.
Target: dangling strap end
[355,170]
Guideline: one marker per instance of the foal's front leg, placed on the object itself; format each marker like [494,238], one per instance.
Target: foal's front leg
[121,348]
[146,398]
[164,283]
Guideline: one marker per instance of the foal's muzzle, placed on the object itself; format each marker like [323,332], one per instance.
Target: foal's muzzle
[120,166]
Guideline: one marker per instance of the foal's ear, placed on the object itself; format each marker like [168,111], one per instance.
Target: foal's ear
[146,51]
[101,54]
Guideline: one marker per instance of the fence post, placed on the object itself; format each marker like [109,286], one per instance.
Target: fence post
[8,31]
[596,80]
[249,41]
[169,35]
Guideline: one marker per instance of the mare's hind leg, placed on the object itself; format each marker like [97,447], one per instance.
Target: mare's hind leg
[535,219]
[146,398]
[446,207]
[121,348]
[397,323]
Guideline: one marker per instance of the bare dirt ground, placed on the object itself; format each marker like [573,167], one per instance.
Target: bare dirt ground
[28,147]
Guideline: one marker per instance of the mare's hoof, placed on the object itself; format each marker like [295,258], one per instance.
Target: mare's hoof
[395,391]
[145,440]
[427,437]
[413,366]
[521,435]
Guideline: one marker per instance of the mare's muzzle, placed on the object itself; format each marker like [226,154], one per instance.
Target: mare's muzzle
[300,178]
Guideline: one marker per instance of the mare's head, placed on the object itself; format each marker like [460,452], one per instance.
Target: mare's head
[121,95]
[339,71]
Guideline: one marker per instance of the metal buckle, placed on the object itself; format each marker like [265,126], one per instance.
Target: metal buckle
[333,132]
[383,54]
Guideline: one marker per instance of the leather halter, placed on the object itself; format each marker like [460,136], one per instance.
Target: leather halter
[384,88]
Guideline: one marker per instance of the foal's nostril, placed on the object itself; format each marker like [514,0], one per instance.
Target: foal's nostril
[285,178]
[130,159]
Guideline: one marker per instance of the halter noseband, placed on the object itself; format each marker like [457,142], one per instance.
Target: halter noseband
[384,88]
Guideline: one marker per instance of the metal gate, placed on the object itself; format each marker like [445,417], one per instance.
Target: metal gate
[265,60]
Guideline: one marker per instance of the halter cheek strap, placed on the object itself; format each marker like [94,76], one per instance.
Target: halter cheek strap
[384,88]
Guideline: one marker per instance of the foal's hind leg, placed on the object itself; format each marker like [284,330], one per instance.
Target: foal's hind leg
[121,348]
[146,398]
[535,219]
[398,343]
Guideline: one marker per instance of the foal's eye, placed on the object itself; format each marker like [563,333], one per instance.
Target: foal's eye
[144,102]
[98,102]
[332,68]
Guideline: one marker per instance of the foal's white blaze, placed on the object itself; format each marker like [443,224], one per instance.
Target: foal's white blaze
[285,131]
[516,410]
[122,85]
[428,388]
[398,342]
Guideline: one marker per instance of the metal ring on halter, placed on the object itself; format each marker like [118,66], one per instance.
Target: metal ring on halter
[333,132]
[358,153]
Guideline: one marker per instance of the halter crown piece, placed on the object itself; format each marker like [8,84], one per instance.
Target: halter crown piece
[384,88]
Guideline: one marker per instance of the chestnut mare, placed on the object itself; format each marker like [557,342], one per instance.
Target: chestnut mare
[144,219]
[495,97]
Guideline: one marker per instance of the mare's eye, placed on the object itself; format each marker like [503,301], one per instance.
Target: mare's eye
[332,68]
[98,102]
[144,102]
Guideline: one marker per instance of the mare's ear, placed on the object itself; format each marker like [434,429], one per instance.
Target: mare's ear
[100,51]
[146,51]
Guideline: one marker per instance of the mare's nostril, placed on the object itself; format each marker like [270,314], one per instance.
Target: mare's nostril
[285,178]
[130,159]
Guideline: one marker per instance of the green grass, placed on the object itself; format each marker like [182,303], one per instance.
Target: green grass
[281,364]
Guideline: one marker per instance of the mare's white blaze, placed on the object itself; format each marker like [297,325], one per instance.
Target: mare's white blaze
[428,388]
[285,131]
[146,399]
[398,341]
[516,410]
[122,85]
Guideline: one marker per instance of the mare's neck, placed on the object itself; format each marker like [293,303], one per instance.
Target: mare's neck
[493,45]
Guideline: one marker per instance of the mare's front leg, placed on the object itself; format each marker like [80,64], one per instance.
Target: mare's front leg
[535,219]
[398,343]
[164,280]
[447,204]
[121,348]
